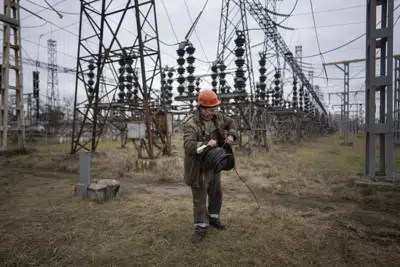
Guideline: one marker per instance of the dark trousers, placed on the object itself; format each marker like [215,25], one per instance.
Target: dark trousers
[210,186]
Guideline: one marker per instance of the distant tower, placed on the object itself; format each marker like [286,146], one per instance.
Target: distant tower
[52,93]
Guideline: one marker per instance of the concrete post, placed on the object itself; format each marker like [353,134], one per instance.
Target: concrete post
[84,174]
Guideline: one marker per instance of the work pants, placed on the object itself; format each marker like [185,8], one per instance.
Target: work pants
[210,186]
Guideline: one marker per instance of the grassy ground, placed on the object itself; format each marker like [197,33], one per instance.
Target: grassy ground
[311,214]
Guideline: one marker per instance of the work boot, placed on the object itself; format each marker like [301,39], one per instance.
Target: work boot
[199,234]
[216,223]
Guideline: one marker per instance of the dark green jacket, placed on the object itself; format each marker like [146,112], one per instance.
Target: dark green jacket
[192,139]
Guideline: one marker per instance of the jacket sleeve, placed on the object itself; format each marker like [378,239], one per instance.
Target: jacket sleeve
[230,126]
[190,143]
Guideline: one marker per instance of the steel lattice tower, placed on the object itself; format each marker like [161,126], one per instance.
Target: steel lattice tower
[11,62]
[52,93]
[134,61]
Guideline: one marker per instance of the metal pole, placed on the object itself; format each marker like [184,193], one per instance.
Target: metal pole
[369,167]
[74,143]
[346,104]
[397,101]
[144,84]
[379,38]
[99,73]
[389,90]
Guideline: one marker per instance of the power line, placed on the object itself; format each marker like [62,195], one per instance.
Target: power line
[169,19]
[352,41]
[40,11]
[47,8]
[332,25]
[331,10]
[290,13]
[316,35]
[195,32]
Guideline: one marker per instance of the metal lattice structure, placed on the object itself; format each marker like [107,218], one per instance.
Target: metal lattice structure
[11,42]
[381,38]
[52,92]
[135,65]
[265,22]
[259,105]
[397,101]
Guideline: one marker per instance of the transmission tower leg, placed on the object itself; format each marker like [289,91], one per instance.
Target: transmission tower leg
[397,101]
[11,21]
[379,38]
[345,107]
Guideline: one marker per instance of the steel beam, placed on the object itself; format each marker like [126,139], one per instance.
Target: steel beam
[8,20]
[397,101]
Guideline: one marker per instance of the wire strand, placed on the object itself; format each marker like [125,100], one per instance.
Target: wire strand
[254,195]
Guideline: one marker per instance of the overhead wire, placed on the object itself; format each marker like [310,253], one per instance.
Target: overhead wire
[290,13]
[40,11]
[332,10]
[394,24]
[48,8]
[195,31]
[349,42]
[52,8]
[64,29]
[169,20]
[316,35]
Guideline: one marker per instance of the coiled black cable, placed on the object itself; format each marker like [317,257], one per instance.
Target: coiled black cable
[221,158]
[217,159]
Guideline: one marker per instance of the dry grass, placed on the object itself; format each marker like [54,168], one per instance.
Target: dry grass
[306,217]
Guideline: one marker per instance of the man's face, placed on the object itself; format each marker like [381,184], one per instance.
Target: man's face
[209,112]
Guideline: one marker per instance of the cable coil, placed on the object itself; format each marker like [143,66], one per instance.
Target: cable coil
[217,159]
[221,158]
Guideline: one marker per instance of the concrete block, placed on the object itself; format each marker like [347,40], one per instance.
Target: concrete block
[379,182]
[103,189]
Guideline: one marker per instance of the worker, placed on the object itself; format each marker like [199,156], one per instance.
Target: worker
[205,126]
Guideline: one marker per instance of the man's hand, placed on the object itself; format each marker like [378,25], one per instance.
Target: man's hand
[212,143]
[229,140]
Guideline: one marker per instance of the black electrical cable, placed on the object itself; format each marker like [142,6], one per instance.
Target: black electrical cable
[221,158]
[217,159]
[254,195]
[291,12]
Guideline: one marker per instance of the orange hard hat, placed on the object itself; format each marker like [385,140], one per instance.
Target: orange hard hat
[208,98]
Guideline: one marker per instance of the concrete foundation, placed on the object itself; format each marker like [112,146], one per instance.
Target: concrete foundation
[99,190]
[381,183]
[102,190]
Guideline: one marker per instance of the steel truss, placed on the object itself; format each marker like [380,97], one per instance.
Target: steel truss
[12,60]
[397,101]
[134,63]
[379,38]
[249,102]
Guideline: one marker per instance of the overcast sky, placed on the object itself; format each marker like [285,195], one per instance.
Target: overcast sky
[337,22]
